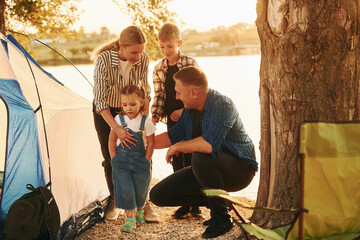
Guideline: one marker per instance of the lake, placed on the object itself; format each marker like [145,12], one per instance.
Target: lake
[234,76]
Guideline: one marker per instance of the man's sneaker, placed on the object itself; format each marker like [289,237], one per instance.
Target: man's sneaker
[140,216]
[217,228]
[129,225]
[181,213]
[112,212]
[196,212]
[149,213]
[207,222]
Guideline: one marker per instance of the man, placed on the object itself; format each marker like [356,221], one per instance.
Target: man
[223,155]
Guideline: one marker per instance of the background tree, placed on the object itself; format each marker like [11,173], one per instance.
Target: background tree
[86,49]
[149,15]
[309,71]
[105,32]
[2,13]
[46,18]
[74,51]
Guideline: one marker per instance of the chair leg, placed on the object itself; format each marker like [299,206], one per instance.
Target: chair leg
[302,184]
[241,219]
[237,213]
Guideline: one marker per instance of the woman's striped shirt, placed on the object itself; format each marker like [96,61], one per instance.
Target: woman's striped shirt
[108,79]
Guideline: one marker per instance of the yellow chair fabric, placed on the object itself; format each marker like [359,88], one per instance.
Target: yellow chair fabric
[331,187]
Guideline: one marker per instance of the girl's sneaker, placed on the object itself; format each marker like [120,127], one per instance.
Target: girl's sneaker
[129,225]
[140,216]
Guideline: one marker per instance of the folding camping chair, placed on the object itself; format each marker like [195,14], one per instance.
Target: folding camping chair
[329,156]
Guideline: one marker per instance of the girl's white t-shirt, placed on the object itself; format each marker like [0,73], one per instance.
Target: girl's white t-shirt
[134,124]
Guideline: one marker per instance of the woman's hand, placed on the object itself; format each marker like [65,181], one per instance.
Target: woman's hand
[176,115]
[125,137]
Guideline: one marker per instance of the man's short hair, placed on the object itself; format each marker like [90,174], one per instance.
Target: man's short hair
[193,76]
[169,31]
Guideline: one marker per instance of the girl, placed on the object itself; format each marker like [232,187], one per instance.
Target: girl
[119,63]
[131,163]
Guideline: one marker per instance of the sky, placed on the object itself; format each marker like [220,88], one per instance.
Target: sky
[201,15]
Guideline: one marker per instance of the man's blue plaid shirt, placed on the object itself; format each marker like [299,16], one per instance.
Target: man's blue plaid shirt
[221,127]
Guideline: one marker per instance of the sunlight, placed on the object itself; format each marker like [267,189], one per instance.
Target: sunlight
[201,15]
[204,15]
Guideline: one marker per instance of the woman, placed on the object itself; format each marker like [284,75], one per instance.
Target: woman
[118,63]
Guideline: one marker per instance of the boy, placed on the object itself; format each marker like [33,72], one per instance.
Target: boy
[166,107]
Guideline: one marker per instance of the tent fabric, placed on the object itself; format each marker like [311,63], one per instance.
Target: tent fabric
[23,150]
[28,56]
[75,157]
[331,191]
[3,135]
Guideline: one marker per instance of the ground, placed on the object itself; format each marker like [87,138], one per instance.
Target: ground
[168,228]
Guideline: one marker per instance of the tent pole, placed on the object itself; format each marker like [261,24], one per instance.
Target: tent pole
[42,115]
[37,40]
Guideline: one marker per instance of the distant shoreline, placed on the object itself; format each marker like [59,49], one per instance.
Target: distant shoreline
[84,61]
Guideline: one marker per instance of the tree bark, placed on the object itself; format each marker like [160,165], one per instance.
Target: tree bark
[308,72]
[2,15]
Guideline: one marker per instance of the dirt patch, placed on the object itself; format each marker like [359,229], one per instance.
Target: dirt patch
[168,228]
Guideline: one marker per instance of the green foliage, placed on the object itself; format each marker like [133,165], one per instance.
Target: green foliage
[54,54]
[45,18]
[74,51]
[86,49]
[149,15]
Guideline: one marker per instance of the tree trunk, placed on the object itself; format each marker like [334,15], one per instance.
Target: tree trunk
[2,14]
[309,71]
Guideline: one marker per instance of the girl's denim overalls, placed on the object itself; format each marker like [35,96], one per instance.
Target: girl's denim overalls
[131,171]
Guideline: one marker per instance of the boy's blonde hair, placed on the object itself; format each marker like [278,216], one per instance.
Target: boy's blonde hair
[129,36]
[169,31]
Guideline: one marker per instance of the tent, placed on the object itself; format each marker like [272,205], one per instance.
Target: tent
[47,132]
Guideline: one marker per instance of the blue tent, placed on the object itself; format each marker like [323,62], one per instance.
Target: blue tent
[22,146]
[45,130]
